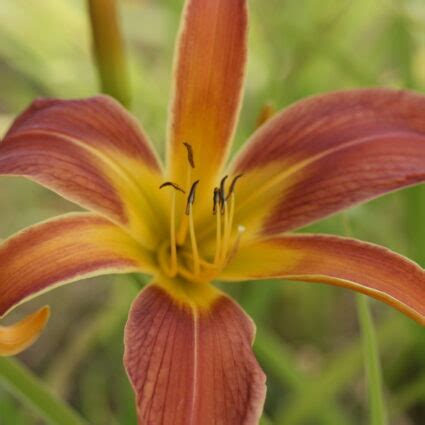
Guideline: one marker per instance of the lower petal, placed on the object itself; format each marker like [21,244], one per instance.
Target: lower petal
[16,338]
[361,266]
[192,364]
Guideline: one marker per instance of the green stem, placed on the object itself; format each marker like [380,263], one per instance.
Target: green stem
[26,386]
[378,415]
[341,368]
[108,45]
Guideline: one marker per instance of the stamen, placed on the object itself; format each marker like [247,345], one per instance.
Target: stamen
[173,243]
[189,212]
[191,197]
[233,184]
[231,214]
[189,154]
[216,199]
[195,252]
[177,187]
[223,193]
[184,223]
[218,224]
[225,233]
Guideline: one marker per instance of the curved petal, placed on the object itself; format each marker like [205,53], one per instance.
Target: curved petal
[65,249]
[361,266]
[209,70]
[328,153]
[16,338]
[190,365]
[91,152]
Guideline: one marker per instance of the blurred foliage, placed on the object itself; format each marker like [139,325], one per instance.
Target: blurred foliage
[307,336]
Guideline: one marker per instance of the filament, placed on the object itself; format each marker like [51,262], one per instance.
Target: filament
[173,245]
[230,214]
[225,232]
[184,222]
[195,252]
[218,239]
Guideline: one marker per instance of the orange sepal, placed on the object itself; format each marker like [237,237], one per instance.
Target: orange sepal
[19,336]
[190,365]
[209,73]
[328,153]
[62,250]
[91,152]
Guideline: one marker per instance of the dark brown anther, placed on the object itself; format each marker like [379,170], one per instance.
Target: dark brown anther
[165,184]
[216,199]
[223,193]
[190,154]
[233,184]
[191,197]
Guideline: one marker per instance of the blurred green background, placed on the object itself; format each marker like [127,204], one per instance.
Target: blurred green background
[307,337]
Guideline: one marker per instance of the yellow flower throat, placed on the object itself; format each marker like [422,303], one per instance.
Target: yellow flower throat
[177,258]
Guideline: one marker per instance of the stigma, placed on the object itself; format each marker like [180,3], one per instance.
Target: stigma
[180,255]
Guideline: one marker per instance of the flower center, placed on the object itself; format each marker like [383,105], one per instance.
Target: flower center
[178,257]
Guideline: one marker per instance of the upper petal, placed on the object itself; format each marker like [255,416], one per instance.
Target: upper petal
[361,266]
[91,152]
[190,365]
[327,153]
[19,336]
[64,249]
[209,70]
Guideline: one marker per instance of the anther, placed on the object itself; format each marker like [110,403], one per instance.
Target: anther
[232,185]
[223,193]
[191,197]
[175,186]
[216,199]
[189,154]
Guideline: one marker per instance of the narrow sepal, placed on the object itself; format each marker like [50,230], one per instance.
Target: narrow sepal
[65,249]
[357,265]
[209,71]
[91,152]
[327,153]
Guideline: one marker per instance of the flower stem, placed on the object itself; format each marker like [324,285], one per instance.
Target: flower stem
[26,386]
[108,45]
[377,414]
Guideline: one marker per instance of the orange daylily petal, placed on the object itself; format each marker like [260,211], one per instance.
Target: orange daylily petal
[19,336]
[91,152]
[328,153]
[192,366]
[65,249]
[361,266]
[210,62]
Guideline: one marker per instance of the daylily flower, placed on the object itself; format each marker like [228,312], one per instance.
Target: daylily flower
[201,219]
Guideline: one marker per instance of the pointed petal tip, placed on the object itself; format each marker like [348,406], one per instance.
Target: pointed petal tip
[350,263]
[17,337]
